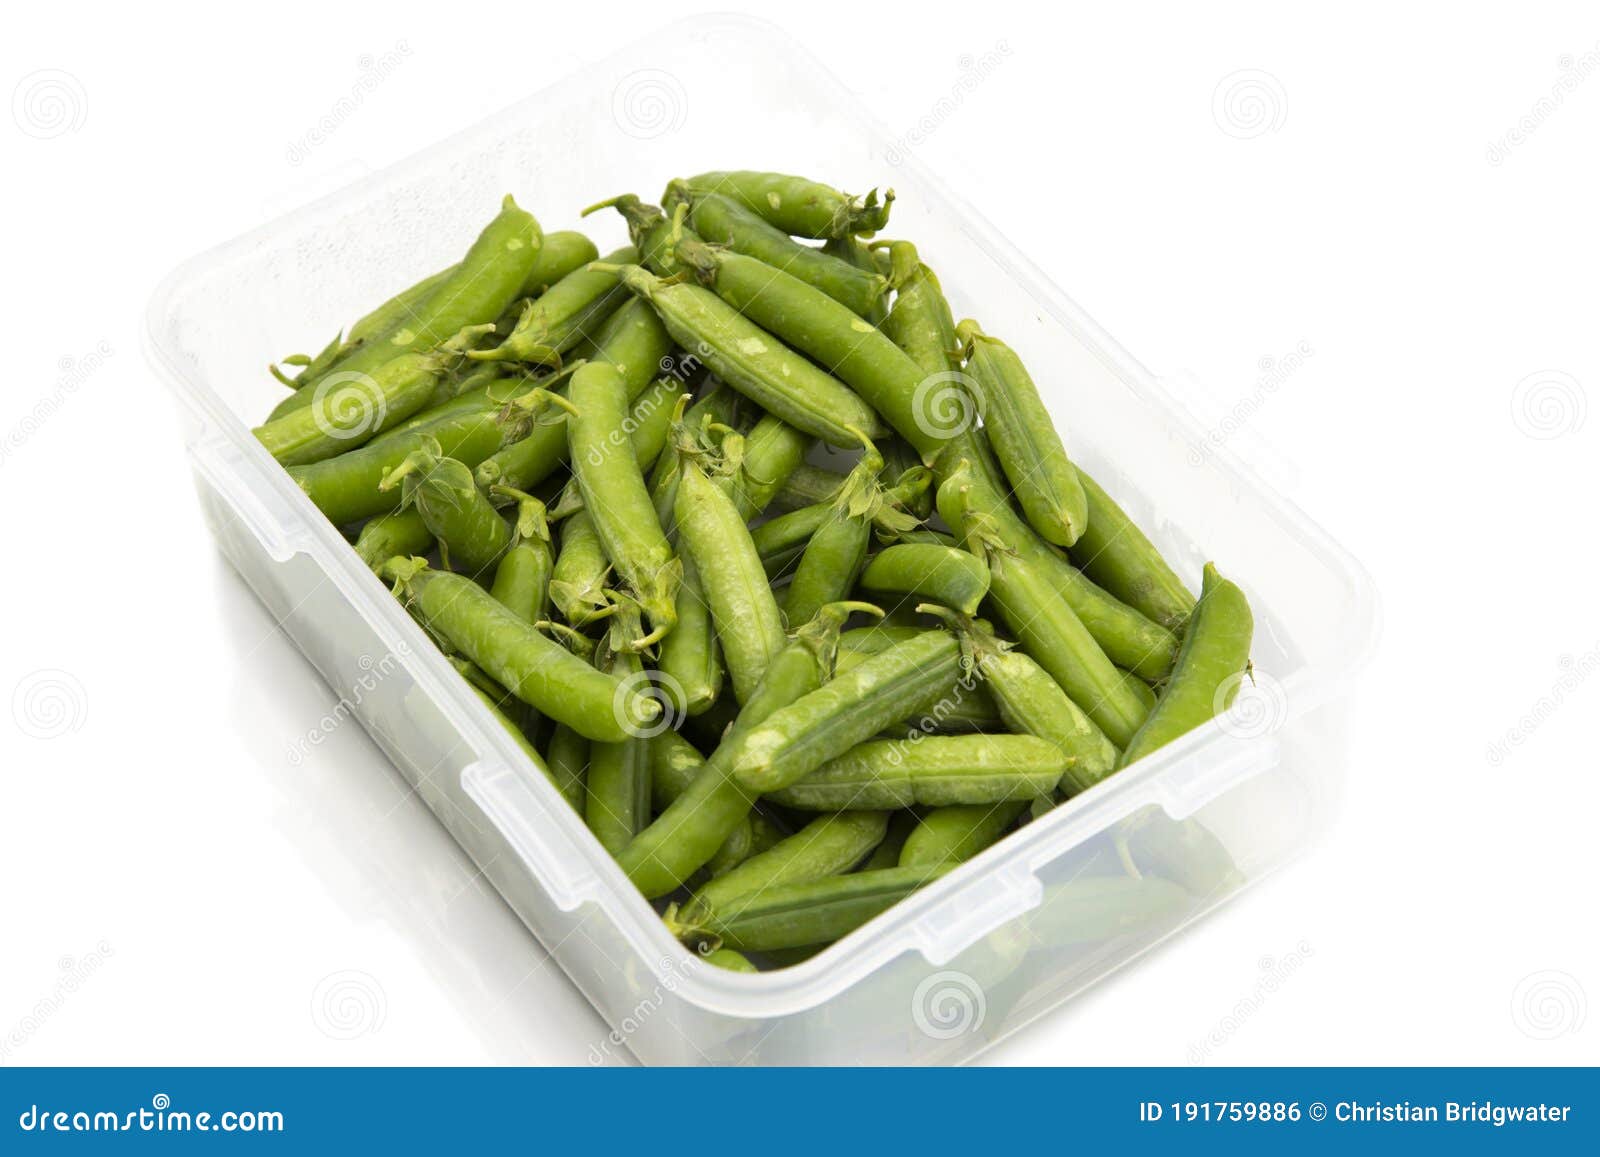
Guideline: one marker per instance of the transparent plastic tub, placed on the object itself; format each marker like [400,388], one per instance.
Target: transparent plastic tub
[992,945]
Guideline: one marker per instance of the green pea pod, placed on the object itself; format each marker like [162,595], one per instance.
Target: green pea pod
[855,705]
[1141,690]
[615,495]
[963,703]
[748,623]
[567,757]
[343,411]
[952,835]
[313,367]
[798,915]
[522,577]
[887,853]
[1030,701]
[752,361]
[1022,583]
[690,659]
[687,834]
[928,572]
[836,551]
[1115,553]
[795,205]
[402,308]
[843,343]
[578,581]
[728,959]
[716,407]
[723,221]
[1025,439]
[401,533]
[617,803]
[807,485]
[557,320]
[540,672]
[1211,666]
[1184,851]
[347,488]
[472,534]
[562,253]
[674,766]
[654,234]
[773,450]
[826,846]
[476,292]
[936,771]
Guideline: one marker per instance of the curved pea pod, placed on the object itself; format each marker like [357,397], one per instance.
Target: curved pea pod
[691,659]
[343,411]
[905,680]
[562,252]
[476,292]
[937,771]
[567,757]
[753,362]
[472,534]
[686,835]
[557,320]
[1030,701]
[540,672]
[729,960]
[578,581]
[522,577]
[617,799]
[842,342]
[799,915]
[347,488]
[1115,553]
[654,234]
[748,623]
[947,575]
[948,836]
[401,533]
[1212,663]
[1025,439]
[723,221]
[795,205]
[1023,586]
[826,846]
[615,495]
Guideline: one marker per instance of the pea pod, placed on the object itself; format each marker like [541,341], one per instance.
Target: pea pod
[749,625]
[563,252]
[522,577]
[1213,662]
[853,251]
[578,580]
[1115,553]
[1030,701]
[807,319]
[401,533]
[952,577]
[542,673]
[798,915]
[556,321]
[472,534]
[963,703]
[723,221]
[836,551]
[935,771]
[674,766]
[772,451]
[617,800]
[826,846]
[755,363]
[691,659]
[1184,851]
[688,833]
[1023,587]
[403,307]
[948,836]
[311,367]
[728,959]
[887,853]
[615,495]
[907,679]
[1025,439]
[567,757]
[476,292]
[655,235]
[795,205]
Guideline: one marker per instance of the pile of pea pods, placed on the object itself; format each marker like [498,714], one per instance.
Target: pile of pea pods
[786,580]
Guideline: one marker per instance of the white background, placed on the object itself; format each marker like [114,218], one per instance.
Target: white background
[159,845]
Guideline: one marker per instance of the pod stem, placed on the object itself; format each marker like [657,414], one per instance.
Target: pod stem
[424,457]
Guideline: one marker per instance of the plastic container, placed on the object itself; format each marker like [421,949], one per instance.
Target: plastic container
[990,946]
